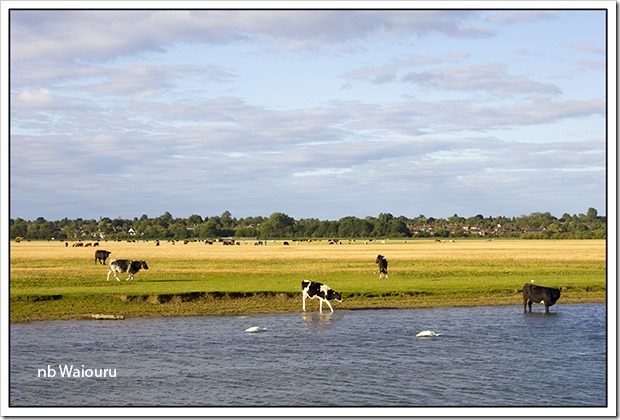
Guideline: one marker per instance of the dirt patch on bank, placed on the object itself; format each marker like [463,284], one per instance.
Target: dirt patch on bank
[206,297]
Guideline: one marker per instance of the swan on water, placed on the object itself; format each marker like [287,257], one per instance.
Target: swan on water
[255,329]
[427,333]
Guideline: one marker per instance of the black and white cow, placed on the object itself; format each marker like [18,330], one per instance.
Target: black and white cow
[533,293]
[383,264]
[101,255]
[313,289]
[126,266]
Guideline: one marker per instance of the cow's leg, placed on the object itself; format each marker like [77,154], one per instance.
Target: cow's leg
[330,306]
[303,301]
[321,305]
[546,307]
[112,271]
[524,305]
[529,303]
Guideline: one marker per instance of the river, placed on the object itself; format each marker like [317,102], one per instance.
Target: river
[485,357]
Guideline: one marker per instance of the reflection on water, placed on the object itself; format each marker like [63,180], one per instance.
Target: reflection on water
[314,319]
[486,356]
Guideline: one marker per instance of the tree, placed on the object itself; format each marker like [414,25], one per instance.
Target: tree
[592,214]
[178,230]
[397,228]
[210,228]
[306,228]
[382,225]
[246,232]
[18,228]
[353,227]
[279,225]
[165,219]
[326,229]
[228,223]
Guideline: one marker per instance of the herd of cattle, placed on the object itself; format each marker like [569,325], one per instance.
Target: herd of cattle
[532,293]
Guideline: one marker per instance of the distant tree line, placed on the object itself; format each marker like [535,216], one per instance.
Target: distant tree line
[282,226]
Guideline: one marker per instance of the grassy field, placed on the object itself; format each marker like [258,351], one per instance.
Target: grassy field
[51,281]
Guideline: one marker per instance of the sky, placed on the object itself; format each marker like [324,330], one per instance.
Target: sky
[313,113]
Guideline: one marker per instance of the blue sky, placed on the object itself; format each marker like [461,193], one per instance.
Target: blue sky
[314,113]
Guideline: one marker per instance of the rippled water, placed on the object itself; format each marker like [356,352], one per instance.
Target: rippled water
[486,356]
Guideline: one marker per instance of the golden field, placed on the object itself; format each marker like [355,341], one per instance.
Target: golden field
[51,281]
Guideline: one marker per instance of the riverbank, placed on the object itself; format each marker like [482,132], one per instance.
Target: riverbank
[215,304]
[51,281]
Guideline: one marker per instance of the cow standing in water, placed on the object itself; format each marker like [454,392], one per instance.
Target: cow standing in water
[313,289]
[533,293]
[383,265]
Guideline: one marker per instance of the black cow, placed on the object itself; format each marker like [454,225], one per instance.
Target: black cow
[101,255]
[126,266]
[533,293]
[383,264]
[323,292]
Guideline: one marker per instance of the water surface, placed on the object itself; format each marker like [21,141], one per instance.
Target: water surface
[486,356]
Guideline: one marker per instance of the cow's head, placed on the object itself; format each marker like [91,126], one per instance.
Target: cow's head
[333,295]
[379,258]
[555,295]
[143,265]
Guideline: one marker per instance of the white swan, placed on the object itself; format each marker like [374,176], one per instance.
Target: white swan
[427,333]
[255,329]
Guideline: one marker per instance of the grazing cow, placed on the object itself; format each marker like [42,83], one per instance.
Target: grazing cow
[383,265]
[533,293]
[126,266]
[313,289]
[101,255]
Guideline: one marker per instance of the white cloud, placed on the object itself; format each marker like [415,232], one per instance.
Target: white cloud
[38,98]
[492,79]
[323,172]
[106,35]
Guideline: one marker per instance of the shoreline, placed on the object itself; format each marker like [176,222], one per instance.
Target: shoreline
[118,308]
